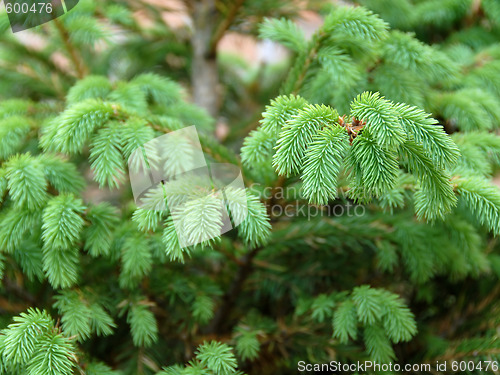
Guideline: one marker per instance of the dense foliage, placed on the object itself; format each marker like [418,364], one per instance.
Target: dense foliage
[369,159]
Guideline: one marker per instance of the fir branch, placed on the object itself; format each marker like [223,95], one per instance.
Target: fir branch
[378,344]
[425,131]
[368,307]
[55,352]
[254,226]
[323,162]
[203,309]
[106,156]
[21,337]
[171,241]
[260,143]
[147,219]
[143,325]
[436,198]
[28,256]
[136,260]
[355,22]
[381,119]
[90,87]
[61,267]
[99,234]
[345,322]
[399,322]
[81,317]
[374,170]
[75,313]
[297,134]
[15,225]
[61,174]
[70,130]
[217,357]
[258,146]
[279,111]
[483,199]
[247,344]
[62,223]
[13,131]
[285,32]
[158,89]
[26,181]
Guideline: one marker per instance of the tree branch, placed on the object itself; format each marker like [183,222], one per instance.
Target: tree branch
[244,271]
[224,26]
[302,63]
[75,57]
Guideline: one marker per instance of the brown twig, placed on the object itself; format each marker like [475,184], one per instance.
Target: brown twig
[244,271]
[224,26]
[315,45]
[481,305]
[74,55]
[230,256]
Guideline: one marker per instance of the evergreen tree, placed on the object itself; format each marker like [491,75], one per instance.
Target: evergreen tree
[389,113]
